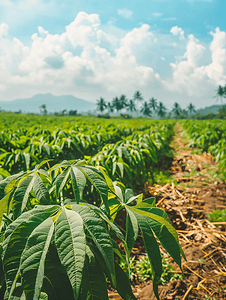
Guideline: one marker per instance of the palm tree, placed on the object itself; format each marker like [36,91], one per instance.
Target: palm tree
[131,106]
[63,112]
[110,108]
[72,112]
[153,104]
[116,103]
[145,109]
[101,104]
[191,108]
[123,101]
[161,110]
[221,92]
[183,114]
[176,109]
[43,109]
[138,97]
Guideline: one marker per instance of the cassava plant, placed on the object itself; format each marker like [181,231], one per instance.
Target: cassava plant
[58,234]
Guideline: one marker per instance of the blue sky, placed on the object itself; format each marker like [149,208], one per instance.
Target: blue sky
[173,50]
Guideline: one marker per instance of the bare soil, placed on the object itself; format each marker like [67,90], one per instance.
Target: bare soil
[187,203]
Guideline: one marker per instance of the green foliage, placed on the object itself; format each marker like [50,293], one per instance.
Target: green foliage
[142,270]
[101,104]
[221,92]
[163,177]
[132,160]
[58,212]
[27,142]
[217,216]
[210,136]
[56,242]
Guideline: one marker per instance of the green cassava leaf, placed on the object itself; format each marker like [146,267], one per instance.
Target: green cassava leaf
[78,181]
[70,244]
[123,284]
[154,210]
[99,234]
[129,193]
[107,178]
[120,167]
[7,181]
[33,259]
[99,212]
[165,232]
[149,201]
[114,206]
[40,191]
[22,193]
[152,249]
[61,181]
[27,159]
[120,193]
[97,179]
[56,282]
[94,282]
[16,236]
[131,229]
[3,205]
[42,163]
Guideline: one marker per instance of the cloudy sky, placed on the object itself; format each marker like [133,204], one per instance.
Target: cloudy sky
[173,50]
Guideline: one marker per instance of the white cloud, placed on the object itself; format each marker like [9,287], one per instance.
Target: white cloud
[125,13]
[200,81]
[177,32]
[194,51]
[89,61]
[41,30]
[3,29]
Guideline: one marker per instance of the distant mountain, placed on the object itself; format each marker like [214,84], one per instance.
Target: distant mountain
[53,104]
[210,109]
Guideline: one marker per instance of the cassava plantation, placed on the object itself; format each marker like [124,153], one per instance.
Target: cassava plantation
[94,208]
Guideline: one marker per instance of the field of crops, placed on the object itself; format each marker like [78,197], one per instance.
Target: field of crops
[128,150]
[76,200]
[63,182]
[210,136]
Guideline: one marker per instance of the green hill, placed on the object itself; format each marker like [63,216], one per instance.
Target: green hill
[210,109]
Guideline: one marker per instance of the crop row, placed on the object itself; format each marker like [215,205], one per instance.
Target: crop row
[58,219]
[210,136]
[58,232]
[132,161]
[128,151]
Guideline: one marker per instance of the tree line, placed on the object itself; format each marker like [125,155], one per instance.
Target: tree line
[151,108]
[71,112]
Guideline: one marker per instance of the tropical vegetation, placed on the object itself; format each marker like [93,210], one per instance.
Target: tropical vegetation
[210,136]
[64,182]
[71,191]
[151,108]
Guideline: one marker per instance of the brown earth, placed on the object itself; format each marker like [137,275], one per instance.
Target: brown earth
[198,192]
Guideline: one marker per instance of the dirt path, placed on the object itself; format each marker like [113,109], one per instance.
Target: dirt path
[199,191]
